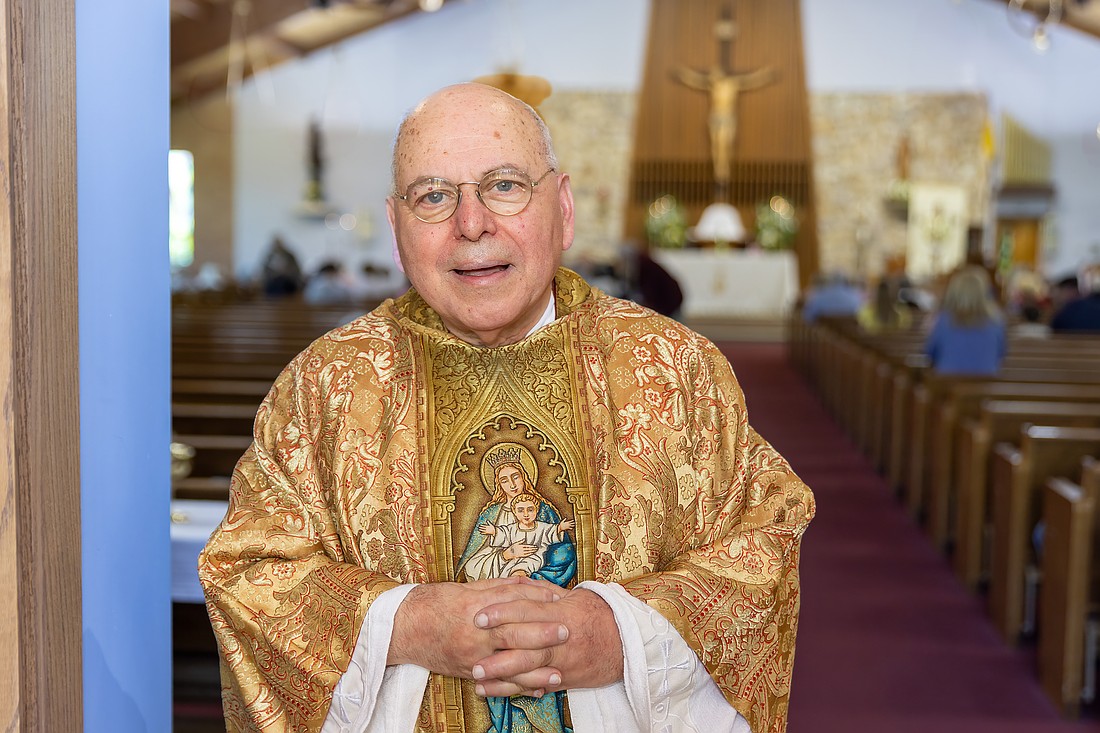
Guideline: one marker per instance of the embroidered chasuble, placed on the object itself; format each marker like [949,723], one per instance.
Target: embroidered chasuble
[611,445]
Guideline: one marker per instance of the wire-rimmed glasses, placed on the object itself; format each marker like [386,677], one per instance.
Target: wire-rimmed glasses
[505,191]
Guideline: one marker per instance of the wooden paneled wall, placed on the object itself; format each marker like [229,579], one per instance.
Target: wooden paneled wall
[772,152]
[40,551]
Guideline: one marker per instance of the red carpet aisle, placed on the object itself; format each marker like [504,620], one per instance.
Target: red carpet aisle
[888,641]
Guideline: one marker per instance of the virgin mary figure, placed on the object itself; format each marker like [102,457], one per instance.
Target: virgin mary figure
[481,560]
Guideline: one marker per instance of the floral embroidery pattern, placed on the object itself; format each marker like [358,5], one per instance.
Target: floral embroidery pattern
[690,510]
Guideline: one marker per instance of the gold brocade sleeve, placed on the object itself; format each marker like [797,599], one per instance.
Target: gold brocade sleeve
[285,603]
[729,584]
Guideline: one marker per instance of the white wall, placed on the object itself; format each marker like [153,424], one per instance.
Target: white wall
[362,87]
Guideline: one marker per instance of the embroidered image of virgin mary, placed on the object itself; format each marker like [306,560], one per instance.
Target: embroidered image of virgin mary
[519,532]
[495,542]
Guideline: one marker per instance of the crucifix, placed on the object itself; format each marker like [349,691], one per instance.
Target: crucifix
[724,86]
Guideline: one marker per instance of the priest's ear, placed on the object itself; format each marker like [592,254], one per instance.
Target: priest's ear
[393,233]
[565,200]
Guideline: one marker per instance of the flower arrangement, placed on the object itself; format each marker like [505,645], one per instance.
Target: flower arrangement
[776,223]
[665,223]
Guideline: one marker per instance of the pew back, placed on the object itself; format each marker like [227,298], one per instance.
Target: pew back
[997,421]
[1018,476]
[1069,513]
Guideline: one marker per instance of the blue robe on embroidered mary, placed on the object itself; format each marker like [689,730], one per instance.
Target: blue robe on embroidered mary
[528,714]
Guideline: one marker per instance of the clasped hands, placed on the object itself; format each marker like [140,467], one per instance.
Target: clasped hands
[514,636]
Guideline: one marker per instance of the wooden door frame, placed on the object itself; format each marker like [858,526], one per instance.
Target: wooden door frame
[40,548]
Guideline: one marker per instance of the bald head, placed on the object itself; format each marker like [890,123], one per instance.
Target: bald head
[454,104]
[488,273]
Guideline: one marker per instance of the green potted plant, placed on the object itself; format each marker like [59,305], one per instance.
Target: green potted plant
[776,223]
[665,223]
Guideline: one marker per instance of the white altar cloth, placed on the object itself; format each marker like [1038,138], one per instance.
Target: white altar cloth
[733,283]
[192,522]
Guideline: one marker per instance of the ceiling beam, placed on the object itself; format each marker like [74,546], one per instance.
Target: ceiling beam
[211,72]
[195,38]
[195,9]
[202,67]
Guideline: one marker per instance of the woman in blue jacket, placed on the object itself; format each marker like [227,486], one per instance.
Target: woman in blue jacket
[968,336]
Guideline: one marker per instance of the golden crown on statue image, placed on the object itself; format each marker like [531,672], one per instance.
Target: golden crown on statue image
[504,455]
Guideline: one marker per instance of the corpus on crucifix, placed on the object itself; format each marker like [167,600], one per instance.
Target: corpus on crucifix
[724,86]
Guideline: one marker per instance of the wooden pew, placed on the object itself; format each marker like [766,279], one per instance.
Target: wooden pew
[201,487]
[282,316]
[852,369]
[215,455]
[1018,475]
[879,354]
[211,352]
[888,358]
[962,402]
[1068,590]
[212,418]
[868,383]
[997,421]
[237,391]
[226,370]
[936,407]
[915,391]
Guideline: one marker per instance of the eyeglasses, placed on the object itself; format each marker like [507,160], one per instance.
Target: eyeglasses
[505,191]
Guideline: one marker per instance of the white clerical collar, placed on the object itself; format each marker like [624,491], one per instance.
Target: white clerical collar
[548,316]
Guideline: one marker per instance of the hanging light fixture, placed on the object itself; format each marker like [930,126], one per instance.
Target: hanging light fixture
[1039,39]
[1030,25]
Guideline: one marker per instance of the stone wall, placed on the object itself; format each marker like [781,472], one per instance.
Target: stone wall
[856,139]
[593,137]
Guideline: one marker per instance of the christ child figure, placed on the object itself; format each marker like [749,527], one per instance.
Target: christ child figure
[524,542]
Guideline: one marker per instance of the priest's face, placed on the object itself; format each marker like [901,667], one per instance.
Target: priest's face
[488,275]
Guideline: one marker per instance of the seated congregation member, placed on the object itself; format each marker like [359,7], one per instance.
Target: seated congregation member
[330,285]
[1082,314]
[1062,291]
[281,274]
[648,283]
[831,295]
[1030,324]
[968,333]
[885,311]
[667,597]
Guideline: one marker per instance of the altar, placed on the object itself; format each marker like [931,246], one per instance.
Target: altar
[192,523]
[733,283]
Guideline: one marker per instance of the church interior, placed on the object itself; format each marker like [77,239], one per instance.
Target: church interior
[760,157]
[750,149]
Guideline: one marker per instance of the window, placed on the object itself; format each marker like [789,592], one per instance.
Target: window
[181,208]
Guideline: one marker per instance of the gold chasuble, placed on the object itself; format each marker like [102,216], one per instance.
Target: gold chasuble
[613,441]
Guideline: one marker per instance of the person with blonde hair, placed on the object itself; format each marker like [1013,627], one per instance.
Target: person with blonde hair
[968,335]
